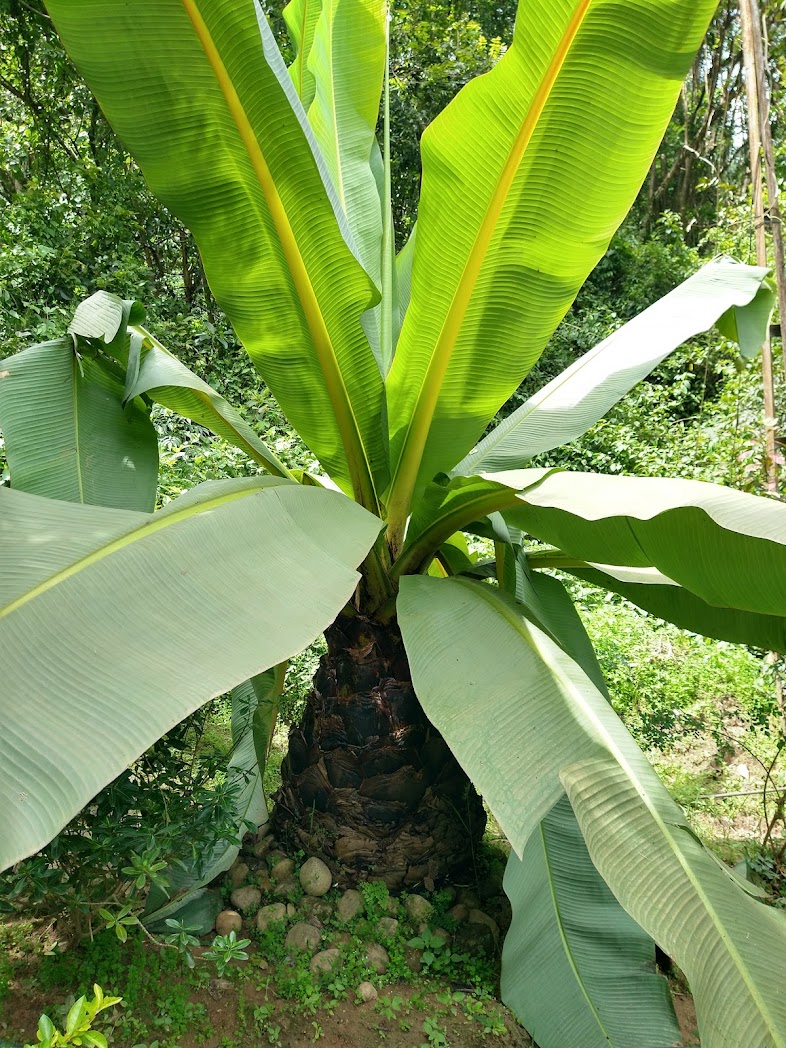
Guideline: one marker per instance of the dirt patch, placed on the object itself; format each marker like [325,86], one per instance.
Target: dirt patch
[240,1014]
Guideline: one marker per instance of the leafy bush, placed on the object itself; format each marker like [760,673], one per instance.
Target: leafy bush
[172,804]
[662,679]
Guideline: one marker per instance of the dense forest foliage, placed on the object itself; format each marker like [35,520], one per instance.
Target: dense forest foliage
[76,216]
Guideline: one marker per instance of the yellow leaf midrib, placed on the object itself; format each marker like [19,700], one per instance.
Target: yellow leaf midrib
[148,526]
[357,459]
[405,473]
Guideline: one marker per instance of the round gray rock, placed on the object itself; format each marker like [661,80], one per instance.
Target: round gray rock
[302,936]
[315,876]
[286,888]
[270,914]
[459,912]
[473,938]
[316,910]
[349,905]
[229,921]
[366,992]
[325,960]
[479,917]
[238,873]
[246,899]
[469,898]
[283,870]
[418,909]
[377,957]
[387,927]
[261,848]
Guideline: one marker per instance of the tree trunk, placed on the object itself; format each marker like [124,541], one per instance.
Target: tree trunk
[368,784]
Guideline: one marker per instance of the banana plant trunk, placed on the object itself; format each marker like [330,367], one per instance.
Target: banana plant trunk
[368,784]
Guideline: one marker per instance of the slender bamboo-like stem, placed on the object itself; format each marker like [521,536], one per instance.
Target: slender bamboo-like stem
[773,193]
[752,84]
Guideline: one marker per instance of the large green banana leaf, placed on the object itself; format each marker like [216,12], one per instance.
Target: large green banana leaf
[254,709]
[526,175]
[116,625]
[153,371]
[163,378]
[727,547]
[575,400]
[576,969]
[525,722]
[67,432]
[442,509]
[301,19]
[199,93]
[656,593]
[347,61]
[606,983]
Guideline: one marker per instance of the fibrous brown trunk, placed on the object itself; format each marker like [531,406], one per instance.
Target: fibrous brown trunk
[368,784]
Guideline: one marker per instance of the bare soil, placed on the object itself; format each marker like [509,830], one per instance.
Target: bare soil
[228,1019]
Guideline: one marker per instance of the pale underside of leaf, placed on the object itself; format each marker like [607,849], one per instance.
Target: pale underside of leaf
[575,400]
[524,721]
[95,670]
[571,942]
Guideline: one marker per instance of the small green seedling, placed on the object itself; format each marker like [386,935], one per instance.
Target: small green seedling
[78,1024]
[429,943]
[225,949]
[181,939]
[121,921]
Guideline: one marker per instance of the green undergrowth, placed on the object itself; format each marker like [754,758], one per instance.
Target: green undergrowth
[166,999]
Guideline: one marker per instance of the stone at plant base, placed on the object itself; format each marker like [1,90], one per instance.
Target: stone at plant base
[469,898]
[263,831]
[246,899]
[283,870]
[387,927]
[286,888]
[459,912]
[317,911]
[474,938]
[291,909]
[413,958]
[276,855]
[325,960]
[238,873]
[349,905]
[440,933]
[274,911]
[264,883]
[377,957]
[418,909]
[366,992]
[229,921]
[342,938]
[315,877]
[303,936]
[479,917]
[261,848]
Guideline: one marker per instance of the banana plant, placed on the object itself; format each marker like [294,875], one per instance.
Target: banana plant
[440,669]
